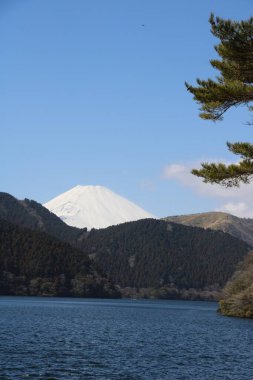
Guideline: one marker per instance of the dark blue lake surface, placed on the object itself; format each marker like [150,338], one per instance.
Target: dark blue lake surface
[58,338]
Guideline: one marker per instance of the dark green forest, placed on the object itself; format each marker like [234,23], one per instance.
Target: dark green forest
[147,258]
[33,215]
[33,263]
[156,254]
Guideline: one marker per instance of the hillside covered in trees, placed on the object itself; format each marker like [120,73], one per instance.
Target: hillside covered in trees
[147,258]
[33,215]
[33,263]
[166,259]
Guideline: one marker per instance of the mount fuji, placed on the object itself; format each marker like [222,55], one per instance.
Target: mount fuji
[94,207]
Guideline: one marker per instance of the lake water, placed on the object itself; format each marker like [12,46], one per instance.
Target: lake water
[63,338]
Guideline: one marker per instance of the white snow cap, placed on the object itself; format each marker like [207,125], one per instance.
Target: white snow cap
[94,207]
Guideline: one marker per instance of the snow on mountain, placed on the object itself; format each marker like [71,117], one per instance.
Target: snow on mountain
[94,207]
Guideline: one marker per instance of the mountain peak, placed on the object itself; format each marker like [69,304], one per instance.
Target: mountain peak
[84,187]
[94,207]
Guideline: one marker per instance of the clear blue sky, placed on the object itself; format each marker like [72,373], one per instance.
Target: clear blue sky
[92,92]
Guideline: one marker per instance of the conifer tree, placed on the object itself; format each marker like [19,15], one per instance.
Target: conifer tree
[233,87]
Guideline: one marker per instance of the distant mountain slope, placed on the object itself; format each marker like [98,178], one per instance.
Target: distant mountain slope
[94,207]
[153,253]
[239,227]
[33,263]
[33,215]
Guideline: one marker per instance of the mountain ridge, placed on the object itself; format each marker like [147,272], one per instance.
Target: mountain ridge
[31,214]
[242,228]
[145,258]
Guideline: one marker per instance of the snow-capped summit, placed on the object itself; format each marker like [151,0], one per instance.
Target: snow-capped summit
[94,207]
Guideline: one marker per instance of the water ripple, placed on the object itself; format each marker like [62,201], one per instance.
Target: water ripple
[62,339]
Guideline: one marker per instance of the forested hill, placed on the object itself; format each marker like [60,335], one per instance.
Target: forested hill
[242,228]
[163,257]
[33,263]
[33,215]
[152,253]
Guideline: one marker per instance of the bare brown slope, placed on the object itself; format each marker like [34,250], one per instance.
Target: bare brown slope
[241,228]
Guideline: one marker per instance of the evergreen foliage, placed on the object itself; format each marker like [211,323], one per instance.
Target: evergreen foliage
[229,175]
[152,254]
[33,263]
[233,87]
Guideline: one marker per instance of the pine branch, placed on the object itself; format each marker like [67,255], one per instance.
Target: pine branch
[226,175]
[245,150]
[234,86]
